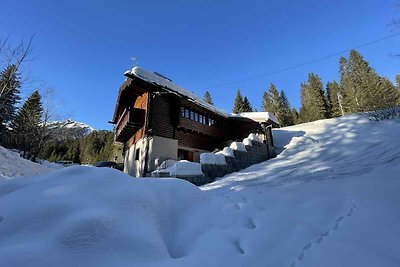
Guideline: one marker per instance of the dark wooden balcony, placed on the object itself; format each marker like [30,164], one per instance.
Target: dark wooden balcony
[130,121]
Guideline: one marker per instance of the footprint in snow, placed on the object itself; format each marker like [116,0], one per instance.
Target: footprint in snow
[307,247]
[238,247]
[250,224]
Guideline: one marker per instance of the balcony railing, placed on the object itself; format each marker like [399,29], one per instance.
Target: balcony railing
[130,121]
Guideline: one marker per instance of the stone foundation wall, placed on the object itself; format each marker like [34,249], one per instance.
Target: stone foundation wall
[256,153]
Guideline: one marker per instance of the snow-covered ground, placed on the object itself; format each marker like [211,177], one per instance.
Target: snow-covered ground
[13,166]
[331,198]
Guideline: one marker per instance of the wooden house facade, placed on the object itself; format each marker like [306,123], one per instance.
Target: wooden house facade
[157,120]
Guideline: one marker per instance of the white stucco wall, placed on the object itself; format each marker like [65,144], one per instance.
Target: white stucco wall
[131,165]
[160,149]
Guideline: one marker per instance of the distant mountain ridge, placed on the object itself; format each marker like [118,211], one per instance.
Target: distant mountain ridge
[69,129]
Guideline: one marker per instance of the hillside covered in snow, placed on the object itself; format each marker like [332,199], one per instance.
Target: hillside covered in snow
[13,166]
[330,198]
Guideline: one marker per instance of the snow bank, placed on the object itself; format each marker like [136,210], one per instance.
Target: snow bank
[165,165]
[51,165]
[184,167]
[247,142]
[331,198]
[210,158]
[254,137]
[238,146]
[12,165]
[251,137]
[226,151]
[92,217]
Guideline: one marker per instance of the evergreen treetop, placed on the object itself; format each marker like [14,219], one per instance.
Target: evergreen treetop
[246,106]
[313,104]
[266,103]
[238,103]
[9,95]
[27,125]
[286,116]
[207,98]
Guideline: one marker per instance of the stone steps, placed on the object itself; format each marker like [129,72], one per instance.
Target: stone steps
[256,153]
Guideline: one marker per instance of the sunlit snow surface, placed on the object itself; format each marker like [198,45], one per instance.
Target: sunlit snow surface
[331,198]
[13,166]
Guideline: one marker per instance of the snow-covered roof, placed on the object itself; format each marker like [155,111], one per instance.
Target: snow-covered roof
[167,84]
[158,79]
[259,116]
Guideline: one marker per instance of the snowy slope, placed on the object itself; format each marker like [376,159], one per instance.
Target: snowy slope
[12,165]
[331,198]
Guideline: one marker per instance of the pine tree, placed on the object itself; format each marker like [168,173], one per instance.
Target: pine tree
[207,98]
[295,115]
[388,96]
[266,103]
[286,118]
[27,125]
[246,107]
[363,88]
[9,96]
[334,97]
[238,103]
[275,101]
[313,105]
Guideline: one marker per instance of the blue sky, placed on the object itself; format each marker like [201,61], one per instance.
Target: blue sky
[82,48]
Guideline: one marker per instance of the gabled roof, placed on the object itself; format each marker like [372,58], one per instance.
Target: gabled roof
[168,85]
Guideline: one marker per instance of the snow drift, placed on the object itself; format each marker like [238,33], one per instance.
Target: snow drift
[90,216]
[330,198]
[13,166]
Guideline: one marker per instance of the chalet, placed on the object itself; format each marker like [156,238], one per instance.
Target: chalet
[157,120]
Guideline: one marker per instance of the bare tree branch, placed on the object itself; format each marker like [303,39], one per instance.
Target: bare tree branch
[16,57]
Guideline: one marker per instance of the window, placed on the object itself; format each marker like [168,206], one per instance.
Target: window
[137,153]
[195,116]
[184,154]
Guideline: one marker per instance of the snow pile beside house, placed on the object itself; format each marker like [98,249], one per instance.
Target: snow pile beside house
[251,137]
[165,165]
[210,158]
[12,165]
[254,137]
[247,142]
[184,167]
[238,146]
[226,151]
